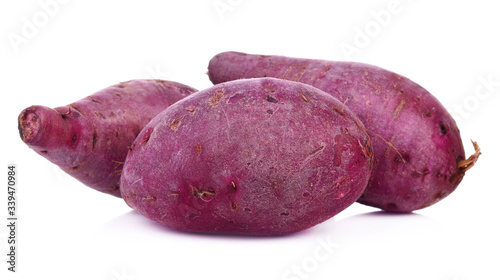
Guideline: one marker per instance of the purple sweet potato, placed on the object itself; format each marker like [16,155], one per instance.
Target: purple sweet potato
[89,139]
[419,157]
[253,157]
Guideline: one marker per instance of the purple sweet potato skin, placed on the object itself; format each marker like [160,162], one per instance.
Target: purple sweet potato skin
[250,157]
[89,139]
[416,142]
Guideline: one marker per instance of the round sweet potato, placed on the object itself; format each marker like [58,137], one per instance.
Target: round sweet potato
[255,157]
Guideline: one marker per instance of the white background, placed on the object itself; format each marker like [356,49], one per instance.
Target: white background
[54,55]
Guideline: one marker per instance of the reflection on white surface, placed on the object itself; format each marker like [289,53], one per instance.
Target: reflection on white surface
[385,245]
[372,245]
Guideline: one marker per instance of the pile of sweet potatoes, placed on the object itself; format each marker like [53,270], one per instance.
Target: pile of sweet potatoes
[276,146]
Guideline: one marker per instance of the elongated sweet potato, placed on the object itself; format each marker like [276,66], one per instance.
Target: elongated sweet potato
[89,139]
[254,157]
[419,157]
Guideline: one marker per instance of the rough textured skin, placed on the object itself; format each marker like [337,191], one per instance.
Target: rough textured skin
[89,139]
[419,157]
[251,157]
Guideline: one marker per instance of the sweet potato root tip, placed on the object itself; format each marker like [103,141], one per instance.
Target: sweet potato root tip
[467,164]
[29,124]
[63,115]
